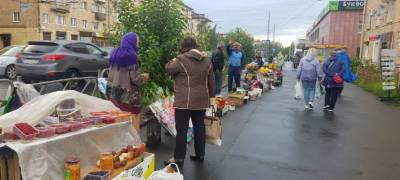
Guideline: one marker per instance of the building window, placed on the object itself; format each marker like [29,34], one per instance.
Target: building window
[84,24]
[96,8]
[95,25]
[60,20]
[74,37]
[47,36]
[61,35]
[73,3]
[74,22]
[105,26]
[84,5]
[45,18]
[16,17]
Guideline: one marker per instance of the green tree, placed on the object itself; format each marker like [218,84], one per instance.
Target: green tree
[159,25]
[245,39]
[207,37]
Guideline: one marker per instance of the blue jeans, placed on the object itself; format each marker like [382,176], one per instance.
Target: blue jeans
[234,72]
[218,81]
[309,91]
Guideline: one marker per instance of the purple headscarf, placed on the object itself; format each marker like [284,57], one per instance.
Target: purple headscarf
[126,54]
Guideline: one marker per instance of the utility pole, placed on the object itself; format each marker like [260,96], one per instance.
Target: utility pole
[273,34]
[269,20]
[268,41]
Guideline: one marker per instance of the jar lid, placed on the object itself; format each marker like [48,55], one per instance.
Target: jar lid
[73,160]
[106,153]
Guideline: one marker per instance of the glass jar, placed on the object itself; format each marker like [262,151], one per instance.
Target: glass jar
[73,169]
[107,161]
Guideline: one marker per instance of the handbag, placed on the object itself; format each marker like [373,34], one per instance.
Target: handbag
[213,126]
[338,79]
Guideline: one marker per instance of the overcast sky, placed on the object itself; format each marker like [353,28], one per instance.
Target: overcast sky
[292,17]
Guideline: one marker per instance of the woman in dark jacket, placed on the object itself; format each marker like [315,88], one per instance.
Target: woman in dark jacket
[194,85]
[332,67]
[125,80]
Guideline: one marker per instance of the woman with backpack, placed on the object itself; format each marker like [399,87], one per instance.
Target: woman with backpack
[333,81]
[309,72]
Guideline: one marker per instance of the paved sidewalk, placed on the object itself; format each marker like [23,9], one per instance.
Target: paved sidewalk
[275,138]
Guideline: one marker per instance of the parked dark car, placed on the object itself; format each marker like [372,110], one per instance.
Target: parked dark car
[50,60]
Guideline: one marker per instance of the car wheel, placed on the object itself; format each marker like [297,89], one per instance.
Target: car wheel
[73,74]
[11,72]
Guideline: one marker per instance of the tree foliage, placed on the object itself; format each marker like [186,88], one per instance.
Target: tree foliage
[159,25]
[207,37]
[245,39]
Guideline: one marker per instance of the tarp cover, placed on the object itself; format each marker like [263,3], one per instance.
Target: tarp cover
[40,107]
[44,159]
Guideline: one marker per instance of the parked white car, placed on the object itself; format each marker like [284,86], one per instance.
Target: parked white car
[8,57]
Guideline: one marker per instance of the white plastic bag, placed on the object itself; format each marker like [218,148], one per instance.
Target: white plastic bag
[299,90]
[318,93]
[25,92]
[102,85]
[164,175]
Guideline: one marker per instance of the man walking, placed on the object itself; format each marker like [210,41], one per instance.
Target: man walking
[218,60]
[236,62]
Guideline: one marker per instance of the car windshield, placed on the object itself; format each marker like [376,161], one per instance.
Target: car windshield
[38,47]
[13,51]
[4,50]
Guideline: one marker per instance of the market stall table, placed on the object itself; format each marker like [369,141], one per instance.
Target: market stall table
[45,158]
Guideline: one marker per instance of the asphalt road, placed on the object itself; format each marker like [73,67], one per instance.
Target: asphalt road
[275,138]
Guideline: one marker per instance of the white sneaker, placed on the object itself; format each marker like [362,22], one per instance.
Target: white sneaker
[310,104]
[330,110]
[307,106]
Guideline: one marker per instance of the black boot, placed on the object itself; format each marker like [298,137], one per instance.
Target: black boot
[197,158]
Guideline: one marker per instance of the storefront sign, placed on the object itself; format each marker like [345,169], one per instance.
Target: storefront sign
[351,5]
[373,38]
[388,67]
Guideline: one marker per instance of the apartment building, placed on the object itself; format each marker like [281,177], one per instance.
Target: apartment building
[198,19]
[83,20]
[381,29]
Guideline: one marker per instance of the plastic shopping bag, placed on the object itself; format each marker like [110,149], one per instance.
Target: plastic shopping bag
[171,172]
[299,90]
[318,92]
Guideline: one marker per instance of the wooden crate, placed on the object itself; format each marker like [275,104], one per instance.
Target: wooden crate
[235,101]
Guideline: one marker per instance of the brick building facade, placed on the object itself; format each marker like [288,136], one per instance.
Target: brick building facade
[339,25]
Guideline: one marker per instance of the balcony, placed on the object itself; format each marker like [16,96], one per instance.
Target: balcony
[60,7]
[100,16]
[100,1]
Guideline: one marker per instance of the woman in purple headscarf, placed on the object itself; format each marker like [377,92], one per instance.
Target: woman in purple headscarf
[125,80]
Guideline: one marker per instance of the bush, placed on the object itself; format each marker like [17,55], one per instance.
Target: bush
[370,78]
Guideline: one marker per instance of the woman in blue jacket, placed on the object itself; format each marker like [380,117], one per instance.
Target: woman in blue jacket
[332,67]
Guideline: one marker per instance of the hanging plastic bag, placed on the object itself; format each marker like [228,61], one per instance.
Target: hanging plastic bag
[318,93]
[171,172]
[102,85]
[25,92]
[299,90]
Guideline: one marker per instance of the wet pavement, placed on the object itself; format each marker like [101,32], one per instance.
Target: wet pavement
[275,138]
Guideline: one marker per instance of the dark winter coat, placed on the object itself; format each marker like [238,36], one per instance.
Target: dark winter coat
[331,67]
[218,60]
